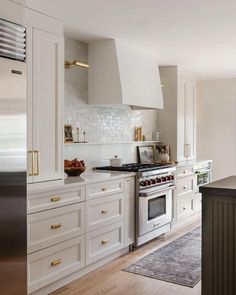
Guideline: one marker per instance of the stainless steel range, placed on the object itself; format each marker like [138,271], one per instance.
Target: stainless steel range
[153,202]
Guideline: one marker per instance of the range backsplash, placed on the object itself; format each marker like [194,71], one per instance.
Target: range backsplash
[103,124]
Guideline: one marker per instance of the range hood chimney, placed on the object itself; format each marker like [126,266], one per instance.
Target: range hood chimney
[120,74]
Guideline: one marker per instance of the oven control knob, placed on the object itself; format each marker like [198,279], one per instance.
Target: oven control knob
[148,182]
[168,177]
[172,177]
[163,179]
[143,183]
[153,181]
[158,180]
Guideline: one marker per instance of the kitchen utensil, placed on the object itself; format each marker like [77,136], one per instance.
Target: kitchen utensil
[116,162]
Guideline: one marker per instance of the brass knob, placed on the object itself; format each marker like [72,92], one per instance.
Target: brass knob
[56,262]
[105,188]
[104,242]
[56,226]
[55,199]
[104,211]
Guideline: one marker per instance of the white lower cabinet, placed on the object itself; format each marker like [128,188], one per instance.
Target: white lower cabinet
[184,193]
[70,228]
[103,242]
[185,206]
[51,264]
[53,198]
[197,202]
[129,202]
[104,188]
[50,227]
[104,211]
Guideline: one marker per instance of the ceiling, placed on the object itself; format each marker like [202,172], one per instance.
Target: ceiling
[199,35]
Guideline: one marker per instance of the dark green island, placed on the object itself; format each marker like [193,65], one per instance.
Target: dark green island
[219,237]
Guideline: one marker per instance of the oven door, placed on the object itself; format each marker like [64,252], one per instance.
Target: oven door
[154,210]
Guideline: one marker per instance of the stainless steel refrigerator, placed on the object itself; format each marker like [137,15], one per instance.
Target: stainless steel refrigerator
[13,235]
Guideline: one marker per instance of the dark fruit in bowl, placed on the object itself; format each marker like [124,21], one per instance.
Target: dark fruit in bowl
[74,167]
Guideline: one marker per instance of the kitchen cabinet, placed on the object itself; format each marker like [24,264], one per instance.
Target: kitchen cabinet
[75,228]
[45,106]
[56,262]
[103,242]
[104,211]
[50,227]
[129,211]
[177,121]
[184,194]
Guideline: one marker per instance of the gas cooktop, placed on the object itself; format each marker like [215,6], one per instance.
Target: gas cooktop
[134,167]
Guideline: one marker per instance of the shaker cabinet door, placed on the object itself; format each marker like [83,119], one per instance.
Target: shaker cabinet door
[190,118]
[47,112]
[186,137]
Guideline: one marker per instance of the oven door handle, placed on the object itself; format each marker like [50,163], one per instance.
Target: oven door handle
[143,194]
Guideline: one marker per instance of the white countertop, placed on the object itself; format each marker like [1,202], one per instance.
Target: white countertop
[72,181]
[192,162]
[96,176]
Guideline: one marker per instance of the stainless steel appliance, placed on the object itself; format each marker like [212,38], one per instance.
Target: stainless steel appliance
[153,202]
[13,241]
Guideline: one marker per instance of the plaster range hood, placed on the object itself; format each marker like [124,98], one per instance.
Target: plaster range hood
[121,75]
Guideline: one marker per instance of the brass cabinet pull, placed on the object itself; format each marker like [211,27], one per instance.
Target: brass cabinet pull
[104,211]
[187,150]
[56,262]
[185,186]
[32,162]
[104,242]
[185,207]
[55,226]
[55,199]
[36,152]
[105,188]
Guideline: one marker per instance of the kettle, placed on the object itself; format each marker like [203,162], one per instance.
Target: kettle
[116,162]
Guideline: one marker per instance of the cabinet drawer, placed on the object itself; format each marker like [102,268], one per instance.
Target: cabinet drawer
[185,185]
[184,171]
[55,198]
[197,202]
[54,263]
[105,188]
[104,211]
[54,226]
[103,242]
[184,206]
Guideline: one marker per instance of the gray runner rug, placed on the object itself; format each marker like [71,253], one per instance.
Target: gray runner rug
[178,262]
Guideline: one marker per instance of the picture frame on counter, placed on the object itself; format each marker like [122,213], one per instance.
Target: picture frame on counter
[146,154]
[68,135]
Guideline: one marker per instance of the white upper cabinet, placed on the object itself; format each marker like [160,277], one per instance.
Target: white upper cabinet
[123,75]
[45,108]
[177,120]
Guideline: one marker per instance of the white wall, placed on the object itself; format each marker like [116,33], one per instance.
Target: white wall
[216,134]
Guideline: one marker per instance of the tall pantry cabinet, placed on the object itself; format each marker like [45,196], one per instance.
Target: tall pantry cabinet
[177,120]
[45,105]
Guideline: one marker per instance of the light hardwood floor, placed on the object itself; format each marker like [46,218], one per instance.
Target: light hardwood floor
[110,279]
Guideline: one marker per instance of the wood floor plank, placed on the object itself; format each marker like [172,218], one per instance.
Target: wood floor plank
[111,280]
